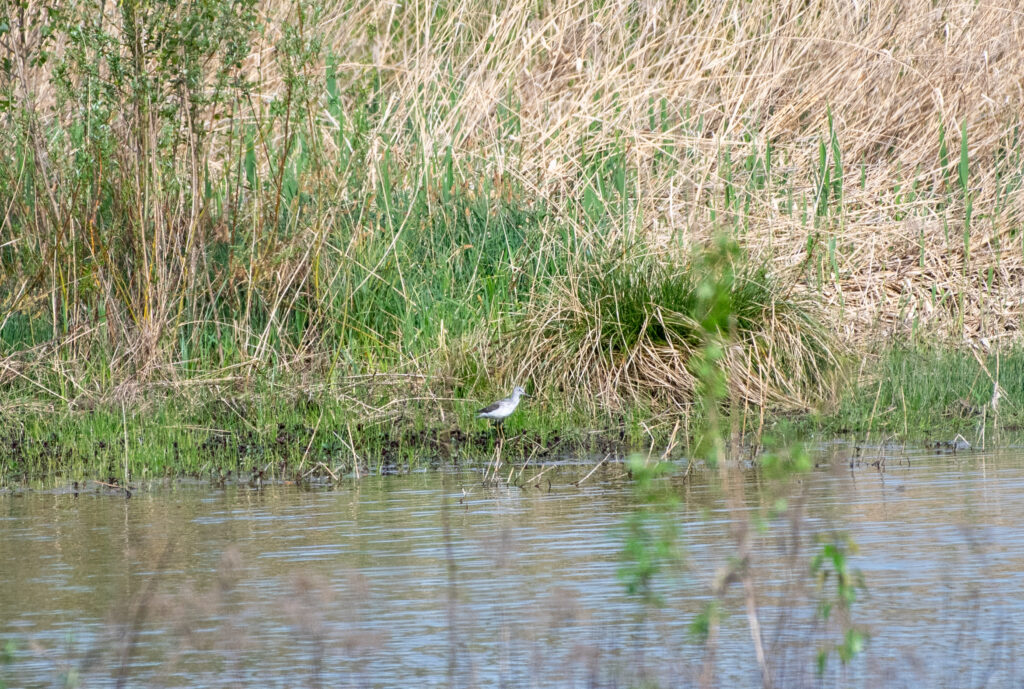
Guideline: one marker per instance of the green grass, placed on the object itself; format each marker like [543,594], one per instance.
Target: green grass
[203,201]
[929,392]
[275,432]
[322,433]
[641,320]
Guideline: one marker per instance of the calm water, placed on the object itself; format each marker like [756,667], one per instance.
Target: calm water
[190,585]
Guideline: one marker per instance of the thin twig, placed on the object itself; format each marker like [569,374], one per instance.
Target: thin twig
[596,467]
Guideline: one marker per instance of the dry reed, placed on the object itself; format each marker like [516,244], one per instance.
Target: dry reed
[909,231]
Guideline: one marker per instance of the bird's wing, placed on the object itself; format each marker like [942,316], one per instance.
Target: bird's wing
[489,408]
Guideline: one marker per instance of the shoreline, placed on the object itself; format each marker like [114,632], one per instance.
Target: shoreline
[297,434]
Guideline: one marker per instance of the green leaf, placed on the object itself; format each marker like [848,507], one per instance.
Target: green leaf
[962,168]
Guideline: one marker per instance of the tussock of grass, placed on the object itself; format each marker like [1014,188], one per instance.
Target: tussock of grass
[632,326]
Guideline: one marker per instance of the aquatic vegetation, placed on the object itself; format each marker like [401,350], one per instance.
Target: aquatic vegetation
[324,435]
[254,195]
[923,390]
[652,540]
[274,241]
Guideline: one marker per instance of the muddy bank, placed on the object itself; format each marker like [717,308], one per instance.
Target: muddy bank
[294,452]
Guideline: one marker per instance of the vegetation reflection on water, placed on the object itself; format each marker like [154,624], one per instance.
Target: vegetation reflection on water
[433,580]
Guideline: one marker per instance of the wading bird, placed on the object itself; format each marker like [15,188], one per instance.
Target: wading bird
[502,409]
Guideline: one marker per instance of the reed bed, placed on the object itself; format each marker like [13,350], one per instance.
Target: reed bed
[225,191]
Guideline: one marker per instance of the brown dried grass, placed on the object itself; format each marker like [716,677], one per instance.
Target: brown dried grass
[753,75]
[891,72]
[600,340]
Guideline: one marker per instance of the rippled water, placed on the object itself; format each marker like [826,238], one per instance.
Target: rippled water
[190,585]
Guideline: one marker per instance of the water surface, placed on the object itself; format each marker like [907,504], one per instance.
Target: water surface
[434,580]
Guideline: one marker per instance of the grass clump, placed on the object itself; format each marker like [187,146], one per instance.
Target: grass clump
[631,326]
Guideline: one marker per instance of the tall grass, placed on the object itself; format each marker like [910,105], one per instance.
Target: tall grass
[215,190]
[636,325]
[915,390]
